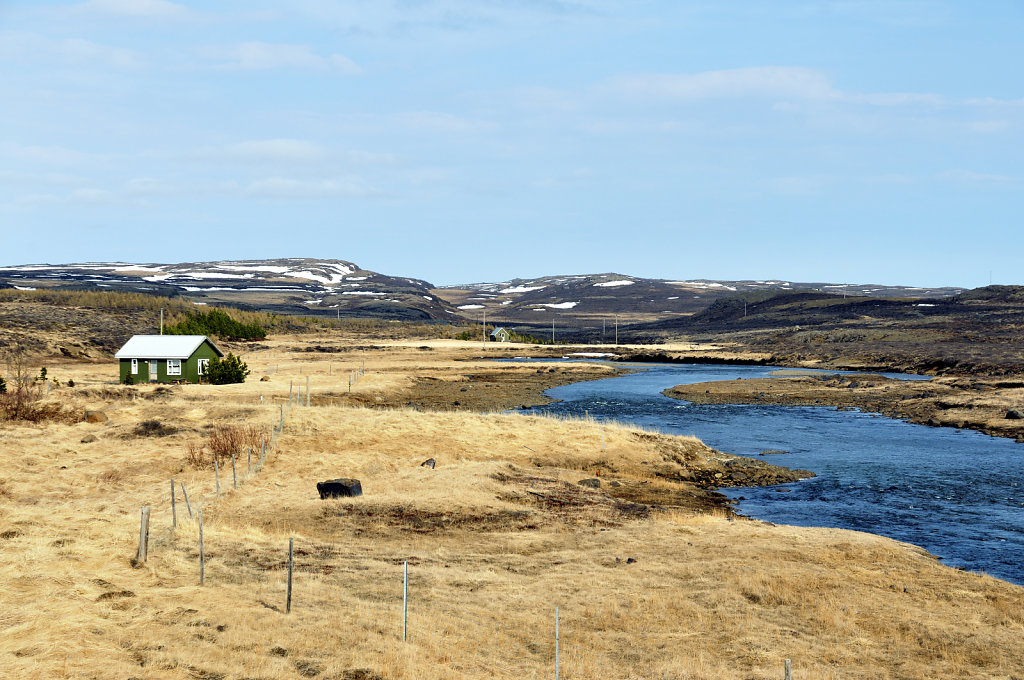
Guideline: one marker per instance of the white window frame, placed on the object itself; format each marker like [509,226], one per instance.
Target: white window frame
[203,363]
[174,367]
[135,366]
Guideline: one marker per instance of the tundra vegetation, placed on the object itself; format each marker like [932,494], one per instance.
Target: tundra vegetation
[653,575]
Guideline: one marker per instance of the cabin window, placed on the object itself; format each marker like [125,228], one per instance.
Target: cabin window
[202,366]
[174,367]
[135,366]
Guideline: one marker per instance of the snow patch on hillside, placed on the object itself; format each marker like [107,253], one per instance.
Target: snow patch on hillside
[520,289]
[701,284]
[614,284]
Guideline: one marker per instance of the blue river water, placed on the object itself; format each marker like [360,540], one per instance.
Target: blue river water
[958,494]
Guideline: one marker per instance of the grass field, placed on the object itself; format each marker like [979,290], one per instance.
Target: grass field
[496,536]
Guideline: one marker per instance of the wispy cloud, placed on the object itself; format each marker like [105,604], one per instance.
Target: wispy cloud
[138,9]
[283,188]
[47,155]
[971,177]
[271,151]
[259,56]
[774,82]
[20,47]
[289,152]
[442,122]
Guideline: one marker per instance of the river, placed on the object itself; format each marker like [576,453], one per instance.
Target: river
[958,494]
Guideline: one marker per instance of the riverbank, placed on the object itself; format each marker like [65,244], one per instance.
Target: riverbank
[981,404]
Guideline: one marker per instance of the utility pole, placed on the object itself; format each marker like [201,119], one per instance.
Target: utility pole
[161,321]
[485,324]
[552,330]
[616,330]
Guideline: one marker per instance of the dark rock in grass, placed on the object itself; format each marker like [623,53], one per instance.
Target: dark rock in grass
[1014,414]
[265,378]
[360,674]
[339,488]
[95,417]
[308,669]
[429,462]
[592,483]
[88,439]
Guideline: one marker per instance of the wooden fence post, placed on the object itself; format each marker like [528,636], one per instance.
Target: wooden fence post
[187,504]
[307,390]
[143,553]
[788,677]
[174,510]
[234,472]
[250,461]
[291,565]
[202,552]
[405,602]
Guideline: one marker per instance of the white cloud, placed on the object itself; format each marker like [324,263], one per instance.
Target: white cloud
[286,151]
[139,9]
[960,176]
[140,187]
[46,155]
[772,81]
[775,82]
[265,56]
[442,122]
[31,47]
[295,189]
[275,151]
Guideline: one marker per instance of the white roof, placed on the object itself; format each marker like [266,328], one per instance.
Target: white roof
[162,347]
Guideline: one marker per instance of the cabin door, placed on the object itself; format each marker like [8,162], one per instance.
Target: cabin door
[152,370]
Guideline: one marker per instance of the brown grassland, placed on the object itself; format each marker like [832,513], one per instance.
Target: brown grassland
[653,576]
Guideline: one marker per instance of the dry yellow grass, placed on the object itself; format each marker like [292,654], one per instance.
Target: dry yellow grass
[496,536]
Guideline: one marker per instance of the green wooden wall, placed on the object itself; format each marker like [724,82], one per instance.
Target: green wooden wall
[189,367]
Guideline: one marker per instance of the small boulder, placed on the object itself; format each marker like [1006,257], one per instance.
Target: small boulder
[1014,414]
[95,417]
[592,483]
[429,462]
[339,488]
[265,378]
[88,439]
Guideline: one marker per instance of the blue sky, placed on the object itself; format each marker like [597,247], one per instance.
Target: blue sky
[479,140]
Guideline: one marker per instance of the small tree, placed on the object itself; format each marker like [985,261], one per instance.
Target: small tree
[226,371]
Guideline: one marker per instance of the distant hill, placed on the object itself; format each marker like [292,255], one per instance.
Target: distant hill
[589,299]
[287,286]
[338,287]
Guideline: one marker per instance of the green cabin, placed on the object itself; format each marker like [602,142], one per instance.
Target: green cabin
[166,358]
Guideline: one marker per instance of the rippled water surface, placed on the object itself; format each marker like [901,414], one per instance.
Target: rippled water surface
[958,494]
